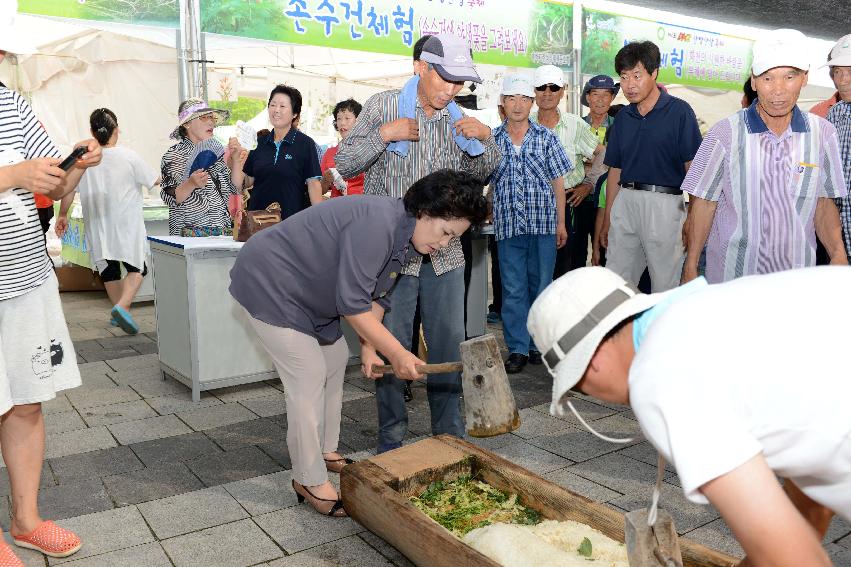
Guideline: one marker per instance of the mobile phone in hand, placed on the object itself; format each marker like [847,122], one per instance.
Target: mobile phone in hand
[72,158]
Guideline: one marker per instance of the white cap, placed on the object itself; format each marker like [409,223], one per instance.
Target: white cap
[517,84]
[548,74]
[780,48]
[840,55]
[569,319]
[11,38]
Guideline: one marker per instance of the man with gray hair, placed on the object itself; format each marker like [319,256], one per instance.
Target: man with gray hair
[400,137]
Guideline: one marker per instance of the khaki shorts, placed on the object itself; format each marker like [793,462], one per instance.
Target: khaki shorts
[37,358]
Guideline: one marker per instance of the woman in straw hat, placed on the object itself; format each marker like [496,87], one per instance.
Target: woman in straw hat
[197,198]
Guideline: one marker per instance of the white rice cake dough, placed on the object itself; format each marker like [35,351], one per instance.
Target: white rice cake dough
[548,544]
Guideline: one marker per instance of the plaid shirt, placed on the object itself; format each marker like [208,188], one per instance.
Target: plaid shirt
[840,117]
[386,173]
[523,197]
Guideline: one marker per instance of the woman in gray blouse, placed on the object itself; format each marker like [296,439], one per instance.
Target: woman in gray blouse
[341,259]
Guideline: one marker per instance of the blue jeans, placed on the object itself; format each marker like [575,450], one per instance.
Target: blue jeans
[526,267]
[442,314]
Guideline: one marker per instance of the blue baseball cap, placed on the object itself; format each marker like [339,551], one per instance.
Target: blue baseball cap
[599,82]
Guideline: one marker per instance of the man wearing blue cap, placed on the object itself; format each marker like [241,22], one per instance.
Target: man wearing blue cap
[597,95]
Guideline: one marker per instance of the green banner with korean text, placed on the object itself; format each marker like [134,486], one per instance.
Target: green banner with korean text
[515,33]
[518,33]
[164,13]
[690,56]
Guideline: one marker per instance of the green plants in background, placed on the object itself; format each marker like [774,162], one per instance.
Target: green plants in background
[243,108]
[247,18]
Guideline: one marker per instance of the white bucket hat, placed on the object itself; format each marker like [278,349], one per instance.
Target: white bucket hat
[11,37]
[548,75]
[517,84]
[569,319]
[780,48]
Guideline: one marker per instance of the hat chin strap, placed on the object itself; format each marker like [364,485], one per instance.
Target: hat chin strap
[592,430]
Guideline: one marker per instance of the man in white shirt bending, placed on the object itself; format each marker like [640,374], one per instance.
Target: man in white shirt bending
[732,383]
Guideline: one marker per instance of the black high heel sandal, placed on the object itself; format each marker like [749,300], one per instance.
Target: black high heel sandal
[344,460]
[338,504]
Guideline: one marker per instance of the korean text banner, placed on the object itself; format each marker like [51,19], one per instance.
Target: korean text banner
[141,12]
[519,33]
[689,56]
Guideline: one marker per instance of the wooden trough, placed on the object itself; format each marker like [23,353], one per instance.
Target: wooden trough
[376,491]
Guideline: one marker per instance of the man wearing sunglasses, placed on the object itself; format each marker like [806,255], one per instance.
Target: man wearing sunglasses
[579,144]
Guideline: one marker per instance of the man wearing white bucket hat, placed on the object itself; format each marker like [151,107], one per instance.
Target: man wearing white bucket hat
[527,188]
[764,180]
[733,419]
[37,359]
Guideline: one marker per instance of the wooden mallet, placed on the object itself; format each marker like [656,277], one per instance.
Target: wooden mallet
[488,401]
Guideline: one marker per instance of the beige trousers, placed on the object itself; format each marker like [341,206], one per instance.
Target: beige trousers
[312,376]
[646,232]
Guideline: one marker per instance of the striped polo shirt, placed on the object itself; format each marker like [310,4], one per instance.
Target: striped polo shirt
[24,264]
[387,173]
[767,188]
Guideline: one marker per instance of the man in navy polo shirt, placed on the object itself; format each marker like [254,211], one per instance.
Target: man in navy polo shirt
[651,145]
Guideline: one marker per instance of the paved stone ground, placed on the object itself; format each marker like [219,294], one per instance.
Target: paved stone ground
[149,479]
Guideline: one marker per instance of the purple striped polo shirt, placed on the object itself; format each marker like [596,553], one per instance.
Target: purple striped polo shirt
[767,188]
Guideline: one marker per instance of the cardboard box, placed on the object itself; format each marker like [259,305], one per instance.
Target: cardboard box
[78,278]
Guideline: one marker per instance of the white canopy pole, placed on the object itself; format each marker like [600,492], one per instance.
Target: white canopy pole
[190,52]
[576,82]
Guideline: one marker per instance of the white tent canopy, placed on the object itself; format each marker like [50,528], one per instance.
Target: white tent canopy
[81,68]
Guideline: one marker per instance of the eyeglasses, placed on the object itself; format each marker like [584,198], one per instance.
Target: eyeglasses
[553,88]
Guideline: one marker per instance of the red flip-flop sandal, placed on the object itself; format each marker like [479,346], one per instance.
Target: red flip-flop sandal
[8,557]
[50,539]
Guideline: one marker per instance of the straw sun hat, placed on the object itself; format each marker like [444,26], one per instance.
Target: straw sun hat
[192,108]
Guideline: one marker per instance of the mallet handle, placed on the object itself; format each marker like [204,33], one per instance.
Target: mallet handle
[425,368]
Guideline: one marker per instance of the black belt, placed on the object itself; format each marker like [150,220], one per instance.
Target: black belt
[653,188]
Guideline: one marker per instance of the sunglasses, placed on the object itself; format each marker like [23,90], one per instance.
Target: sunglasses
[553,88]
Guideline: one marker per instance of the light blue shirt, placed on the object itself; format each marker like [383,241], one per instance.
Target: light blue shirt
[642,323]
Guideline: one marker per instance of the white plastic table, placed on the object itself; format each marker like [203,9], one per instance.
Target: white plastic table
[204,337]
